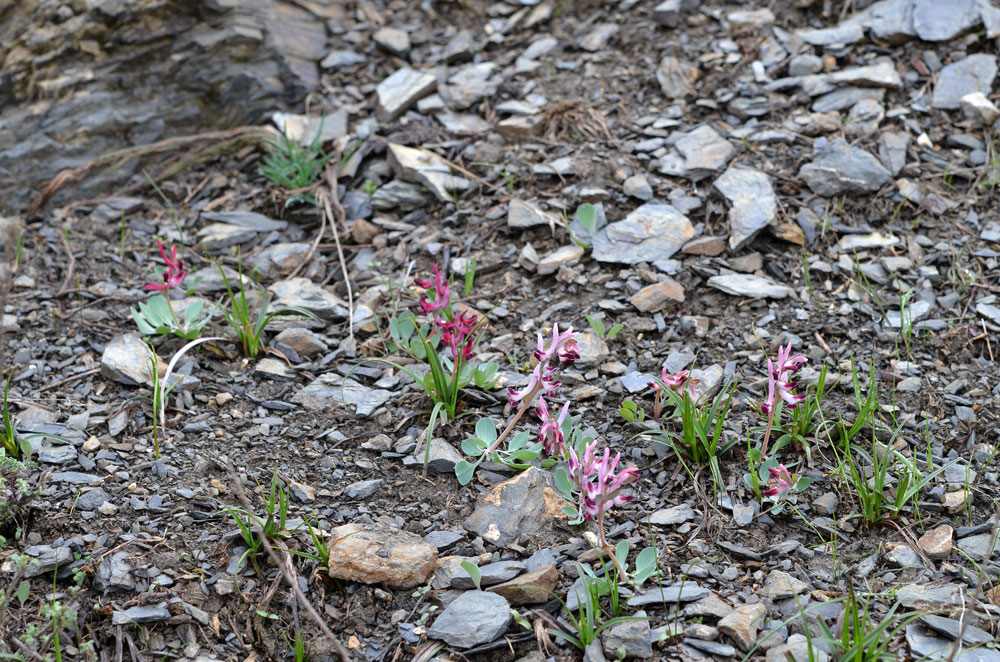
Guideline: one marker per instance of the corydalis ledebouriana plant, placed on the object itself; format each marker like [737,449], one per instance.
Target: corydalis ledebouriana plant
[780,481]
[550,429]
[173,275]
[551,357]
[456,332]
[563,349]
[780,387]
[674,382]
[780,374]
[599,484]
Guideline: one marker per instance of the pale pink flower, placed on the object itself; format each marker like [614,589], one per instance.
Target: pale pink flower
[781,481]
[174,274]
[550,430]
[600,486]
[779,380]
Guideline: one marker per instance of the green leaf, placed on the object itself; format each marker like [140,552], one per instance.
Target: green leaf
[596,324]
[587,216]
[144,328]
[563,482]
[486,430]
[473,571]
[615,330]
[464,471]
[193,312]
[473,446]
[524,455]
[23,590]
[645,566]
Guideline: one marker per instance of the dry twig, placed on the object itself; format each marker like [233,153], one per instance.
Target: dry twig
[284,565]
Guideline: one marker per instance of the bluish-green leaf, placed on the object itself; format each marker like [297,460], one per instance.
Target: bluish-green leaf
[473,571]
[563,483]
[486,430]
[464,471]
[473,447]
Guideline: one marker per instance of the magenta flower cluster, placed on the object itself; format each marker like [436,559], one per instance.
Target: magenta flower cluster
[600,485]
[780,382]
[780,481]
[173,275]
[551,357]
[456,333]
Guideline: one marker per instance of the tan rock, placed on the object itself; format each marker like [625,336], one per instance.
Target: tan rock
[526,505]
[936,543]
[530,588]
[380,555]
[709,246]
[654,297]
[742,625]
[954,502]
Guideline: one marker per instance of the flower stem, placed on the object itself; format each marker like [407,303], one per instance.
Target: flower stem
[510,426]
[767,433]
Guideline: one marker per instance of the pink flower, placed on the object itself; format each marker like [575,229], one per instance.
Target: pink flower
[174,274]
[457,334]
[781,481]
[779,380]
[442,292]
[563,345]
[600,486]
[550,431]
[544,374]
[673,382]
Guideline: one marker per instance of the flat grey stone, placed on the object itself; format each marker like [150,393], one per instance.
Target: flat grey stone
[142,614]
[115,574]
[473,618]
[892,147]
[705,152]
[442,458]
[930,596]
[673,515]
[564,256]
[978,546]
[989,311]
[332,388]
[753,205]
[972,74]
[638,186]
[246,219]
[667,13]
[523,214]
[461,47]
[45,560]
[400,91]
[671,595]
[971,635]
[937,21]
[75,478]
[843,34]
[749,285]
[394,40]
[92,500]
[443,540]
[363,489]
[892,20]
[338,59]
[845,97]
[62,454]
[517,509]
[842,168]
[303,293]
[652,232]
[490,574]
[424,167]
[633,636]
[712,647]
[128,360]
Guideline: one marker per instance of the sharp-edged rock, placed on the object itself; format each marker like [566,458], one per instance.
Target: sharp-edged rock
[840,167]
[974,73]
[750,285]
[653,232]
[753,205]
[400,91]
